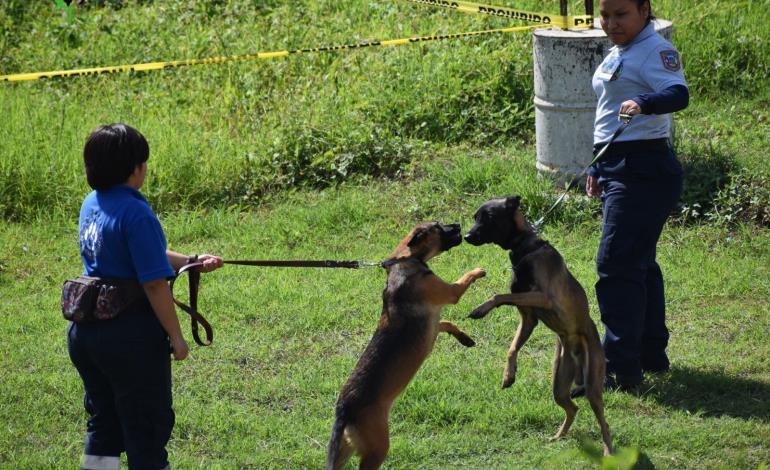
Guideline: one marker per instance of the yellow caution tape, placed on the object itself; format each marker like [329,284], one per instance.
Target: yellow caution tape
[581,21]
[235,58]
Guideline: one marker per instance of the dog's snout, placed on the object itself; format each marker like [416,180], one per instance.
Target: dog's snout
[473,236]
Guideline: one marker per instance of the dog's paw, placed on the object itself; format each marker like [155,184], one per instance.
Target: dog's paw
[508,381]
[479,312]
[478,273]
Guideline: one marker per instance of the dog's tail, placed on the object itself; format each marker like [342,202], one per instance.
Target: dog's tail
[335,442]
[586,361]
[582,377]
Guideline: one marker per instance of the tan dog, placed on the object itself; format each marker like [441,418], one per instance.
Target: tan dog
[409,324]
[543,289]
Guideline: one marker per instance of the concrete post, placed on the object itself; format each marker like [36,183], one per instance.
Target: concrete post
[565,103]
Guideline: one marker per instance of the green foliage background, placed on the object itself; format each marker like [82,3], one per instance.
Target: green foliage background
[236,134]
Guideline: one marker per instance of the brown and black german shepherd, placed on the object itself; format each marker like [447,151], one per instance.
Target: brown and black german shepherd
[544,290]
[409,324]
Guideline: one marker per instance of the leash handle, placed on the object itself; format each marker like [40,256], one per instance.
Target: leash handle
[194,277]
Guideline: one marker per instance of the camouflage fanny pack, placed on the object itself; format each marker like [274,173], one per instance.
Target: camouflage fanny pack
[87,299]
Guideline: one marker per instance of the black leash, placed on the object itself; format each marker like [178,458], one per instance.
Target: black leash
[626,120]
[194,274]
[306,263]
[195,317]
[194,277]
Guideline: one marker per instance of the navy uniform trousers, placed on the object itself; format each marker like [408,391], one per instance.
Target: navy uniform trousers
[126,371]
[641,182]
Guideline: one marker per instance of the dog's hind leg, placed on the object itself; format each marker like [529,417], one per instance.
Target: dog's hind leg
[372,438]
[452,329]
[527,324]
[594,395]
[563,375]
[594,389]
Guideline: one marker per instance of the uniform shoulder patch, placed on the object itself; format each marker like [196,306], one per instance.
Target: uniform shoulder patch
[670,59]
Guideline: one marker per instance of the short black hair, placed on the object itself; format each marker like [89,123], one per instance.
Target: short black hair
[640,4]
[112,153]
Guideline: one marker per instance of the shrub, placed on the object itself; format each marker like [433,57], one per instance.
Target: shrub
[706,171]
[317,158]
[745,199]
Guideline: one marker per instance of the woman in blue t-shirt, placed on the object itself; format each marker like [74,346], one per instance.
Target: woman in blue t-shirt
[124,362]
[639,180]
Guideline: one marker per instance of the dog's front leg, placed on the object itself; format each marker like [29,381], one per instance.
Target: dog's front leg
[440,292]
[452,329]
[527,324]
[522,299]
[462,284]
[482,310]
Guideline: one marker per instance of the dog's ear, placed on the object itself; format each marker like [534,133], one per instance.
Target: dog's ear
[417,237]
[512,202]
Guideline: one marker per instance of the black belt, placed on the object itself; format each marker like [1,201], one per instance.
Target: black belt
[634,146]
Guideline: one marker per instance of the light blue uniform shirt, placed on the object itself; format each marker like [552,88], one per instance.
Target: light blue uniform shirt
[648,64]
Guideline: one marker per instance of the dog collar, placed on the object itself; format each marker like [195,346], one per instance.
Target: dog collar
[393,261]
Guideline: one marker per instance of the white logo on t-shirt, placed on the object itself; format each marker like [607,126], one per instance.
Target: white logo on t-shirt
[90,236]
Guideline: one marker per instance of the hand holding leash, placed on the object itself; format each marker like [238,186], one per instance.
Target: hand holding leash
[625,121]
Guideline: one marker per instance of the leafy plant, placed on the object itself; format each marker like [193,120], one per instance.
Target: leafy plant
[245,132]
[624,458]
[745,199]
[706,171]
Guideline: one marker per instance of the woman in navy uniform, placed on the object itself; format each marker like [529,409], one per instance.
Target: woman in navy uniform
[639,180]
[124,362]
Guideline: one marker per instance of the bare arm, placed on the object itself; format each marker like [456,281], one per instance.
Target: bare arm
[210,262]
[159,294]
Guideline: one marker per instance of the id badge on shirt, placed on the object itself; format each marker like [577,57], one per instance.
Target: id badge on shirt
[611,68]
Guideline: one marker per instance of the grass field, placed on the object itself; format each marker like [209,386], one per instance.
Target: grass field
[337,156]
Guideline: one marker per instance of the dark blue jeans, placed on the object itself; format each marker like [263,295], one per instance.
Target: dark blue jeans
[641,182]
[126,371]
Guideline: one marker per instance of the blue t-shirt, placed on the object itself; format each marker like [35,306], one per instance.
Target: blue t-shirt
[120,237]
[648,64]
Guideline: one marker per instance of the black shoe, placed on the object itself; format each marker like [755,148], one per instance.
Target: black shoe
[623,383]
[656,366]
[657,370]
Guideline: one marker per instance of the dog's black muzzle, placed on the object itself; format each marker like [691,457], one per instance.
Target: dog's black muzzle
[451,236]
